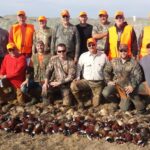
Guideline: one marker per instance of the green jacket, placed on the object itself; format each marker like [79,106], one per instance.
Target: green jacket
[40,70]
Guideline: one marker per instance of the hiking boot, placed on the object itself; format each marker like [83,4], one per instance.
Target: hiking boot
[32,102]
[47,102]
[6,108]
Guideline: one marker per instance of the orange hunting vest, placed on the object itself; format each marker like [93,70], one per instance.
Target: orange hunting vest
[113,39]
[145,41]
[23,37]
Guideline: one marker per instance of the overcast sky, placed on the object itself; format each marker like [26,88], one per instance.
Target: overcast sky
[52,8]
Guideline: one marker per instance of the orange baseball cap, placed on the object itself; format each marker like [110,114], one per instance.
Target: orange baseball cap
[11,46]
[43,18]
[103,12]
[65,13]
[119,13]
[91,40]
[21,12]
[82,13]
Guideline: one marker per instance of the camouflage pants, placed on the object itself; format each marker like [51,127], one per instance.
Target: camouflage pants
[79,86]
[125,103]
[63,90]
[9,93]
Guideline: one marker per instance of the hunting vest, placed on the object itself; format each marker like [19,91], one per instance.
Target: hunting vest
[124,39]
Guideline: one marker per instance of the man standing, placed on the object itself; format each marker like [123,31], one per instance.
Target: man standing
[90,67]
[100,30]
[3,43]
[144,39]
[68,34]
[63,69]
[121,33]
[22,34]
[12,73]
[125,73]
[85,31]
[44,33]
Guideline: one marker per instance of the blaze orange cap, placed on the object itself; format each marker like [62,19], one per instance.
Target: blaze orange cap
[82,13]
[11,46]
[65,13]
[91,40]
[21,12]
[42,18]
[119,13]
[103,12]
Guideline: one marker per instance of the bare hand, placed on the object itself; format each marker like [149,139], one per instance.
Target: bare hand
[26,82]
[45,88]
[55,84]
[111,83]
[128,89]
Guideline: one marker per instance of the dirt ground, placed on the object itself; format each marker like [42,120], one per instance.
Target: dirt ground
[21,141]
[57,141]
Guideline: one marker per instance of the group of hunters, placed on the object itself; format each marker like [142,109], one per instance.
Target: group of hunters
[105,58]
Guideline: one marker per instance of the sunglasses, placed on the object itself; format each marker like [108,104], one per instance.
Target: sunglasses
[10,50]
[119,17]
[65,16]
[123,50]
[91,45]
[62,51]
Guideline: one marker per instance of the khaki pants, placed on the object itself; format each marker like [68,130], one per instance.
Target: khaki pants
[80,86]
[9,93]
[64,91]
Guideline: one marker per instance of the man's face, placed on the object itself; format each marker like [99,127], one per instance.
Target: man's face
[123,53]
[65,19]
[148,51]
[42,23]
[40,48]
[119,20]
[61,52]
[83,19]
[21,19]
[92,48]
[13,52]
[103,18]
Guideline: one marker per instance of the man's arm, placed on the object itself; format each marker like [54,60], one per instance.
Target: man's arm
[77,44]
[11,35]
[96,35]
[71,73]
[134,45]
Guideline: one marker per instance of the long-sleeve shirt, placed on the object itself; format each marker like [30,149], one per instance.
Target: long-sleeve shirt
[14,69]
[3,42]
[91,66]
[69,36]
[63,71]
[125,74]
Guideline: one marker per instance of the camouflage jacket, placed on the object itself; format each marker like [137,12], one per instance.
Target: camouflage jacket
[128,73]
[3,42]
[98,29]
[69,36]
[40,69]
[63,72]
[45,35]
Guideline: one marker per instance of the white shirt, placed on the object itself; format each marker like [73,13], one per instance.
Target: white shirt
[91,66]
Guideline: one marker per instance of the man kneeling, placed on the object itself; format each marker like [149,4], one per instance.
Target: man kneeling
[12,74]
[59,74]
[123,75]
[90,67]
